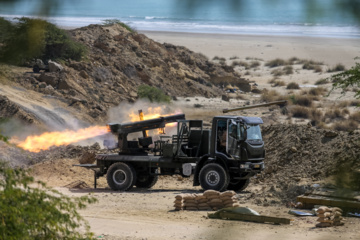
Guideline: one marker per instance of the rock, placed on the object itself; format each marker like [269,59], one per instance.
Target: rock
[133,94]
[63,85]
[83,74]
[49,78]
[42,85]
[55,67]
[293,149]
[225,97]
[331,134]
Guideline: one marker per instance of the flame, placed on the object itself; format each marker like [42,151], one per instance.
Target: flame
[49,139]
[151,113]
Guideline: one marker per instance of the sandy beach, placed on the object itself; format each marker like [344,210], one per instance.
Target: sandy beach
[331,51]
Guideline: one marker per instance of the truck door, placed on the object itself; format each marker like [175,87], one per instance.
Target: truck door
[235,134]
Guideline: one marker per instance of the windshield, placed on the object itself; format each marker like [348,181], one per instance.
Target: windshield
[253,132]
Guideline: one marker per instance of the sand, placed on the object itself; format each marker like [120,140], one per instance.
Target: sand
[328,50]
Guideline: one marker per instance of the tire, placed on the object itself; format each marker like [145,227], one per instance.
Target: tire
[213,176]
[238,185]
[36,69]
[145,180]
[121,176]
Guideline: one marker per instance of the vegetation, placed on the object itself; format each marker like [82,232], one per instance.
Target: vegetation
[348,78]
[38,213]
[28,39]
[109,22]
[293,85]
[321,81]
[338,68]
[153,94]
[276,63]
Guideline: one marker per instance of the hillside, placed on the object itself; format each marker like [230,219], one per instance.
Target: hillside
[118,62]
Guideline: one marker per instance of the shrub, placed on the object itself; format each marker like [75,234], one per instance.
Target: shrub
[270,96]
[338,68]
[317,91]
[293,85]
[196,105]
[35,38]
[276,63]
[348,125]
[302,100]
[300,112]
[109,22]
[333,114]
[355,117]
[153,94]
[254,64]
[38,213]
[234,57]
[240,63]
[279,83]
[316,116]
[321,81]
[288,70]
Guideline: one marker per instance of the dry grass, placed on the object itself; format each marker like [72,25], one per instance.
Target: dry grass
[240,63]
[276,63]
[272,95]
[302,100]
[321,81]
[337,68]
[300,112]
[317,91]
[333,114]
[355,117]
[347,125]
[293,85]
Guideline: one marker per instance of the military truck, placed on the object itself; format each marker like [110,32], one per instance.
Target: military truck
[224,157]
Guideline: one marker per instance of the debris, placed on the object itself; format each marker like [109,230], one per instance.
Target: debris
[246,214]
[300,213]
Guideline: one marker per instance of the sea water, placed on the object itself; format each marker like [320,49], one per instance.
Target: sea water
[262,17]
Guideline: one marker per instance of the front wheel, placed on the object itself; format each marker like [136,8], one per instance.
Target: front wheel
[238,185]
[121,176]
[213,176]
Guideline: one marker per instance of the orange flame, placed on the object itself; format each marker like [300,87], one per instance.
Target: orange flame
[49,139]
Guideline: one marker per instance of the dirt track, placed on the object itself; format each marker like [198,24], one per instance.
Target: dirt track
[149,214]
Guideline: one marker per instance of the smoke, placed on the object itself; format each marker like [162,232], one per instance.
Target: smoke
[128,112]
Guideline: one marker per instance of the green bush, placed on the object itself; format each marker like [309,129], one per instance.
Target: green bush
[28,39]
[109,22]
[38,213]
[153,94]
[348,78]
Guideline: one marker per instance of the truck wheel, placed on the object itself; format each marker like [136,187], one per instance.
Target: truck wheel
[121,176]
[238,185]
[213,176]
[36,69]
[146,180]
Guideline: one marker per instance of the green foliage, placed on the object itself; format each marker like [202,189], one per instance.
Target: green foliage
[28,39]
[38,213]
[348,78]
[153,94]
[109,22]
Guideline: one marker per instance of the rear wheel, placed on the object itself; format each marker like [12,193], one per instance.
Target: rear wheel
[213,176]
[145,180]
[238,185]
[121,176]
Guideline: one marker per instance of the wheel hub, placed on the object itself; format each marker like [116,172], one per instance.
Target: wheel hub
[212,178]
[119,176]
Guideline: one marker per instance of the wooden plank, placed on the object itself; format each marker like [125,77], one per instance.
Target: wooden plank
[253,218]
[347,195]
[311,200]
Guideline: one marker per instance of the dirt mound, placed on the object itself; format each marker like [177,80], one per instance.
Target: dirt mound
[299,155]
